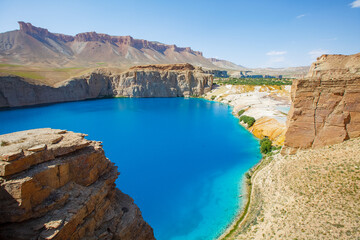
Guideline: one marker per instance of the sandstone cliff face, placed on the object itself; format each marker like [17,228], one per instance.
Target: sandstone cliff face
[57,185]
[175,80]
[326,104]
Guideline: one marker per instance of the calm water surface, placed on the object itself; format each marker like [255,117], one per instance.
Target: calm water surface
[182,160]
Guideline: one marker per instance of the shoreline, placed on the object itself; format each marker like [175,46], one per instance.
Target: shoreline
[241,216]
[247,190]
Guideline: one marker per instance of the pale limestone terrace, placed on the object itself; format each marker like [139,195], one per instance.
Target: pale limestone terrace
[57,185]
[267,104]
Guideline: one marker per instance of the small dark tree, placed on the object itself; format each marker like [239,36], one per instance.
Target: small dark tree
[241,112]
[248,120]
[265,145]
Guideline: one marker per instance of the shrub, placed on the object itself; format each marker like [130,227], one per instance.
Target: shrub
[4,143]
[241,112]
[265,145]
[257,81]
[248,120]
[213,97]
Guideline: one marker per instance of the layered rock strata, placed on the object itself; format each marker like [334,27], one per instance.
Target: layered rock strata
[325,104]
[175,80]
[271,128]
[57,185]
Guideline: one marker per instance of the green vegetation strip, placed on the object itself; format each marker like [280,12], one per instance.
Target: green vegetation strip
[9,65]
[66,69]
[24,74]
[254,81]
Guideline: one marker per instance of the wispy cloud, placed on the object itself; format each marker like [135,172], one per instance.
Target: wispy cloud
[331,39]
[317,53]
[276,53]
[277,59]
[303,15]
[355,4]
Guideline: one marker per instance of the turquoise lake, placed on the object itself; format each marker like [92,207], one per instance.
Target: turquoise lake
[181,160]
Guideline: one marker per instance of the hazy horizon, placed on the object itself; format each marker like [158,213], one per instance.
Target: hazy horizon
[253,34]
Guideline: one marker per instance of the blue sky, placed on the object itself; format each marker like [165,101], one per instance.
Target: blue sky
[260,33]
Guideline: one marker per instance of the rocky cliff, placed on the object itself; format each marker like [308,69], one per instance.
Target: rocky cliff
[57,185]
[325,104]
[175,80]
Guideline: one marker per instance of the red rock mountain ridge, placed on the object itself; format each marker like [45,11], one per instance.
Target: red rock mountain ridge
[100,37]
[325,104]
[34,45]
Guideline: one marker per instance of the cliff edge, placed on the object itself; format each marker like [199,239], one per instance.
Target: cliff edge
[57,185]
[162,80]
[325,106]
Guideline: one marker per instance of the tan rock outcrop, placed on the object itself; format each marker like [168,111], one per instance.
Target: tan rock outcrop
[269,127]
[172,80]
[57,185]
[326,104]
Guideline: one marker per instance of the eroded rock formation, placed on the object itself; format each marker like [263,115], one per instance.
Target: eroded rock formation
[57,185]
[174,80]
[325,104]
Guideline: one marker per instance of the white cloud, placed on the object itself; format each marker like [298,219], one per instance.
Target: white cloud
[277,59]
[317,53]
[303,15]
[276,53]
[355,4]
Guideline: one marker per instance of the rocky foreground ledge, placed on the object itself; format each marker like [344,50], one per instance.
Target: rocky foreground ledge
[57,185]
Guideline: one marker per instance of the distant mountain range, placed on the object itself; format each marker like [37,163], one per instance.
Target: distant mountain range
[35,46]
[226,64]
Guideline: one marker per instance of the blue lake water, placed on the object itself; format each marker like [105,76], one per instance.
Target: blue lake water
[284,109]
[182,160]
